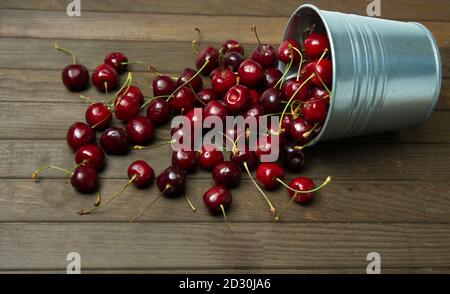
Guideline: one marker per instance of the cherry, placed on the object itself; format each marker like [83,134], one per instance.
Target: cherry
[84,179]
[105,78]
[183,100]
[132,92]
[286,122]
[268,175]
[217,200]
[80,134]
[315,45]
[98,116]
[206,95]
[227,173]
[264,144]
[318,93]
[292,86]
[115,141]
[286,51]
[222,80]
[256,111]
[293,157]
[189,74]
[244,156]
[232,61]
[172,181]
[272,100]
[74,76]
[315,110]
[158,111]
[209,156]
[237,99]
[250,73]
[323,70]
[186,159]
[126,108]
[300,131]
[90,155]
[232,46]
[215,108]
[264,54]
[163,85]
[141,130]
[179,134]
[254,96]
[271,76]
[117,60]
[211,54]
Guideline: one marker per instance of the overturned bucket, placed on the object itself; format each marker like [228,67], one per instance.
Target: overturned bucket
[386,74]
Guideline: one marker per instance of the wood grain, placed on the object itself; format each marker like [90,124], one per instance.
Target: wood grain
[205,245]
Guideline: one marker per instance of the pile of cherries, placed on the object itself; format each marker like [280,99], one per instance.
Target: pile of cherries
[248,87]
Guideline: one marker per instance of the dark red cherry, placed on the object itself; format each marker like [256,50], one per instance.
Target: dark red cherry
[84,179]
[254,96]
[163,85]
[115,141]
[196,83]
[132,92]
[215,108]
[232,61]
[172,181]
[256,111]
[286,122]
[300,131]
[195,117]
[211,54]
[205,96]
[232,46]
[237,99]
[209,156]
[75,77]
[301,184]
[265,55]
[186,159]
[227,173]
[291,87]
[250,73]
[315,110]
[222,80]
[105,78]
[285,51]
[141,130]
[92,156]
[80,134]
[126,108]
[117,60]
[216,198]
[142,173]
[266,143]
[323,71]
[158,111]
[318,93]
[98,116]
[182,135]
[315,45]
[267,174]
[272,100]
[241,156]
[292,157]
[183,100]
[271,76]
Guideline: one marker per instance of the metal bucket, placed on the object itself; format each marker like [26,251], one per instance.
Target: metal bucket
[386,74]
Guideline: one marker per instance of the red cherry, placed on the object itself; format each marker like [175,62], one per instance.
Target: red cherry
[272,100]
[216,199]
[301,184]
[163,85]
[195,118]
[126,108]
[117,60]
[254,96]
[232,46]
[268,174]
[92,156]
[183,100]
[237,99]
[215,108]
[222,80]
[232,61]
[286,121]
[172,181]
[186,159]
[300,131]
[141,173]
[315,110]
[105,78]
[132,92]
[250,73]
[115,141]
[291,86]
[244,156]
[318,93]
[80,134]
[315,45]
[265,143]
[211,54]
[205,96]
[98,116]
[196,83]
[158,111]
[84,179]
[285,51]
[256,111]
[75,77]
[209,156]
[227,173]
[141,130]
[322,69]
[271,76]
[265,55]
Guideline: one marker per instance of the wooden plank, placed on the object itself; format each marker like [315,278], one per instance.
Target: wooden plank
[154,27]
[44,246]
[369,202]
[398,9]
[408,162]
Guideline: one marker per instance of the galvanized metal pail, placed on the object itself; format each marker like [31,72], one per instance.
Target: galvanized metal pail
[386,74]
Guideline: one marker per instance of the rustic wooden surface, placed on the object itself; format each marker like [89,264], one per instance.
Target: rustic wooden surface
[391,192]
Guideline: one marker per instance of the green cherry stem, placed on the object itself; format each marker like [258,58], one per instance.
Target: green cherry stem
[57,47]
[272,208]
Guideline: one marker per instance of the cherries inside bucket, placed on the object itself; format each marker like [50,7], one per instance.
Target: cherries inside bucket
[250,87]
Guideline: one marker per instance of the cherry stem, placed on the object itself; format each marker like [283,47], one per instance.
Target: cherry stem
[57,47]
[235,147]
[224,213]
[300,64]
[87,99]
[150,99]
[126,84]
[272,208]
[188,81]
[256,34]
[327,180]
[98,200]
[139,147]
[195,42]
[100,122]
[190,203]
[286,70]
[35,174]
[84,161]
[130,181]
[308,133]
[134,218]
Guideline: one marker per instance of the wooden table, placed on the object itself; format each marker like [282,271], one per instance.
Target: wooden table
[391,192]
